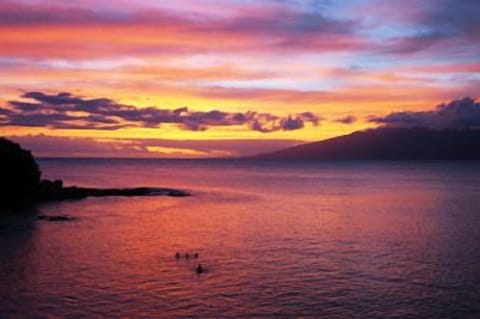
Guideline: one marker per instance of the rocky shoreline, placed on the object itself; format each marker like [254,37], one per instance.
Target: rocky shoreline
[21,185]
[55,191]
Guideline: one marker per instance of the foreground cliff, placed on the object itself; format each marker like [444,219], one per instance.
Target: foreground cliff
[21,185]
[19,176]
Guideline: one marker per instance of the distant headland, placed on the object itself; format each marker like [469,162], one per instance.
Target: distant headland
[397,144]
[21,185]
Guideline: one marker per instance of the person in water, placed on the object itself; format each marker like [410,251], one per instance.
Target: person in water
[177,255]
[195,255]
[199,269]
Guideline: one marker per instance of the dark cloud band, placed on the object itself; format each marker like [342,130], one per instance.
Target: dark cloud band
[67,111]
[461,114]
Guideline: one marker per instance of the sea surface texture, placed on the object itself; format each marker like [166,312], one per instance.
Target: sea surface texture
[296,239]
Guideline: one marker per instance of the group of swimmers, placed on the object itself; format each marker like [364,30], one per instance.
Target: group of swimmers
[199,268]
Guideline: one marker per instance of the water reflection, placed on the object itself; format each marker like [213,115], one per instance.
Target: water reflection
[334,241]
[17,267]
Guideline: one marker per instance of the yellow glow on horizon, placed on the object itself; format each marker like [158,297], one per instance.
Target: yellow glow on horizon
[171,132]
[164,58]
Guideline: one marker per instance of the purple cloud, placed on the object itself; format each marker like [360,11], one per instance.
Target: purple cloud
[461,114]
[67,111]
[349,119]
[446,27]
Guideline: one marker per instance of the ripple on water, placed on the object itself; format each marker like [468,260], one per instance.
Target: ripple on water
[351,241]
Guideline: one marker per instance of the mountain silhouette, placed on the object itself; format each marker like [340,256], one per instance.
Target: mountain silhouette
[388,144]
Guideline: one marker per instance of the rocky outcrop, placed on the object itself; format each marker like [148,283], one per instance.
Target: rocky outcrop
[19,177]
[21,185]
[55,191]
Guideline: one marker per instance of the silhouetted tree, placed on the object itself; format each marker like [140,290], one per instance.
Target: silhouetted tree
[19,177]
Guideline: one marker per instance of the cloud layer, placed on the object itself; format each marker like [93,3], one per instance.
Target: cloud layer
[461,114]
[67,111]
[57,146]
[334,58]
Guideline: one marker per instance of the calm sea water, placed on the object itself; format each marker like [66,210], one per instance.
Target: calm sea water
[330,240]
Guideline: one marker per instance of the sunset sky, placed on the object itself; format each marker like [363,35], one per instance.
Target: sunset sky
[196,78]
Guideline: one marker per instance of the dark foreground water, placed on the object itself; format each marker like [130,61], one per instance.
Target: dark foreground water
[331,240]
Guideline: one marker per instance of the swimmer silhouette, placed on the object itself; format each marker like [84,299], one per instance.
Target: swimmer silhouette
[177,255]
[199,269]
[195,255]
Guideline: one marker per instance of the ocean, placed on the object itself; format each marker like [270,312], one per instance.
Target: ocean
[276,239]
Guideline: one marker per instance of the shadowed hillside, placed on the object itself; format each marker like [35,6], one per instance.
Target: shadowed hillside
[389,144]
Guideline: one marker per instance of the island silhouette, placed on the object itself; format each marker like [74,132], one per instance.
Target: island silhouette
[22,186]
[397,144]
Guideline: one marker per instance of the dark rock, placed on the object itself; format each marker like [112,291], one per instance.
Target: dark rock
[21,186]
[56,193]
[176,193]
[19,177]
[59,218]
